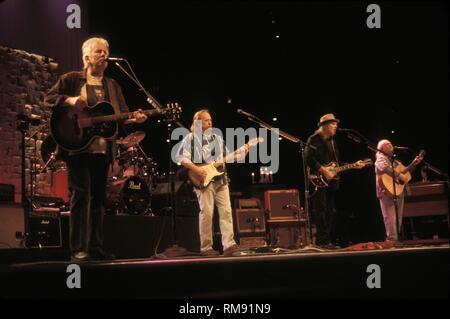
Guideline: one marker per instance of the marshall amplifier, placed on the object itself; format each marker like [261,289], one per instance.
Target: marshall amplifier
[282,204]
[45,230]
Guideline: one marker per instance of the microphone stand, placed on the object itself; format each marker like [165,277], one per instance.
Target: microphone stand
[436,170]
[303,146]
[357,137]
[23,125]
[174,250]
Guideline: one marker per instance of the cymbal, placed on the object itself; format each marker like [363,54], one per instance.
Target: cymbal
[132,139]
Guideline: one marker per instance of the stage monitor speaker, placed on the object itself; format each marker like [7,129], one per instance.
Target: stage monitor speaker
[282,204]
[12,221]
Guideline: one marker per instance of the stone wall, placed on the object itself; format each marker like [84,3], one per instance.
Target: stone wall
[24,80]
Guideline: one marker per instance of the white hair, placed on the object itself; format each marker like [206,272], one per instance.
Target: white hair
[87,48]
[380,145]
[197,117]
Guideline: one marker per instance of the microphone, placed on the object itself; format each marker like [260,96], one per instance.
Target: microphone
[401,148]
[240,111]
[344,129]
[115,59]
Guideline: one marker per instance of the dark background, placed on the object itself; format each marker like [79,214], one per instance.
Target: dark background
[386,83]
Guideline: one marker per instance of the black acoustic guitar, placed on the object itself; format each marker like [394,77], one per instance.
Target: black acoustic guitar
[73,128]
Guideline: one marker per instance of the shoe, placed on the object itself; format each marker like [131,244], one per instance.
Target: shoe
[80,256]
[210,252]
[230,250]
[100,254]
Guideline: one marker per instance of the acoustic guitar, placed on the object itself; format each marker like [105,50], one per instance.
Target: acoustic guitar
[403,176]
[73,128]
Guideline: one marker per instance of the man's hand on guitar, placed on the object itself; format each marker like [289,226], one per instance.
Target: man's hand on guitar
[139,116]
[360,164]
[78,101]
[201,172]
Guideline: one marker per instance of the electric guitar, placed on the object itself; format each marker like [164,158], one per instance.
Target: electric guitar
[320,181]
[73,128]
[403,177]
[211,168]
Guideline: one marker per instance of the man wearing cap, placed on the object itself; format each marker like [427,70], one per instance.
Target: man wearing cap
[322,201]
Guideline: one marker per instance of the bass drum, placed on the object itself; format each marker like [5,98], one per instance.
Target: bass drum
[130,197]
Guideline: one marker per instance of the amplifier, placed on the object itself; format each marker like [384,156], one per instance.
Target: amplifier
[248,242]
[282,204]
[288,233]
[250,220]
[45,231]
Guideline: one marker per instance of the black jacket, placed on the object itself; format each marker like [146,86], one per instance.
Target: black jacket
[70,84]
[323,154]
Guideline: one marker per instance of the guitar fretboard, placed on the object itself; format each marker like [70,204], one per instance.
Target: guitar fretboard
[122,116]
[345,167]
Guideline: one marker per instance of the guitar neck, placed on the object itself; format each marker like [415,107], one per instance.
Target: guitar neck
[345,167]
[415,162]
[121,116]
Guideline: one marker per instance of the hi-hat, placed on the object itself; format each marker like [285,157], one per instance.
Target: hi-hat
[132,139]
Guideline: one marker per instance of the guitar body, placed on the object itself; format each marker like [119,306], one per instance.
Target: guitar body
[388,184]
[386,180]
[211,172]
[73,130]
[211,168]
[319,181]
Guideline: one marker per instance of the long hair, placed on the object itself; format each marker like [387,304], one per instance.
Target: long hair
[87,48]
[197,116]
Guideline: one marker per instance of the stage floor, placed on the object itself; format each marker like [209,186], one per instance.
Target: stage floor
[409,271]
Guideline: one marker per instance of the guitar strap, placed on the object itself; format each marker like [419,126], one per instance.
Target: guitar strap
[112,94]
[333,147]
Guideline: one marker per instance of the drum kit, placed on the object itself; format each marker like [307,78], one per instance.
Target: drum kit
[131,177]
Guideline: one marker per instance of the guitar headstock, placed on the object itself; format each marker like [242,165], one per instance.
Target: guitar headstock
[365,162]
[420,157]
[172,111]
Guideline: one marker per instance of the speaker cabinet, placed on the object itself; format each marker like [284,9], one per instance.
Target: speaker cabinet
[282,204]
[11,221]
[45,232]
[250,220]
[287,233]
